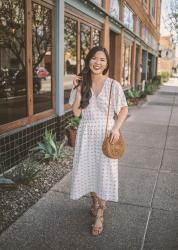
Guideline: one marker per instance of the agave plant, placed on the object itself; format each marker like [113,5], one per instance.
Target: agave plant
[25,172]
[134,93]
[49,147]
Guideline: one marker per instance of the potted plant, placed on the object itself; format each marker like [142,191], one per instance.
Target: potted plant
[134,96]
[71,130]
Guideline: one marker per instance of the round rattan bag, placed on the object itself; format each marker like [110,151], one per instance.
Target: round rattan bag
[113,151]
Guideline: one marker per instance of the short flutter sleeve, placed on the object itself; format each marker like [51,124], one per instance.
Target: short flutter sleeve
[72,96]
[118,97]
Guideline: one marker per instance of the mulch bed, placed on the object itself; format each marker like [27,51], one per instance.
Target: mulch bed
[14,202]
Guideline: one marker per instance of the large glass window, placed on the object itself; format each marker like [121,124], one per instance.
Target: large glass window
[26,70]
[114,8]
[13,85]
[85,36]
[128,18]
[96,37]
[138,26]
[42,57]
[152,7]
[98,2]
[127,64]
[79,37]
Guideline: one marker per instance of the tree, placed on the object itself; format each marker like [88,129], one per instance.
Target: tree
[12,30]
[173,19]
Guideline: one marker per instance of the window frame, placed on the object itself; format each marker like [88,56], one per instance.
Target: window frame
[28,53]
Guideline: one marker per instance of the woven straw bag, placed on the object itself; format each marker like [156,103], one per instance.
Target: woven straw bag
[116,150]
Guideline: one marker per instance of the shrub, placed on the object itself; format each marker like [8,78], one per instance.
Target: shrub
[165,76]
[150,88]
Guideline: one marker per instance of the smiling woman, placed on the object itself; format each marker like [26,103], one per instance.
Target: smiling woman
[92,171]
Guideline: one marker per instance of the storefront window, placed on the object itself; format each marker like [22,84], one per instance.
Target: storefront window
[42,57]
[114,8]
[70,54]
[127,64]
[85,36]
[138,26]
[96,37]
[98,2]
[128,18]
[152,2]
[76,46]
[13,86]
[25,89]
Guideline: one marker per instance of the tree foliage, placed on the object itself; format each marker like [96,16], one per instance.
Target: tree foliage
[173,19]
[13,33]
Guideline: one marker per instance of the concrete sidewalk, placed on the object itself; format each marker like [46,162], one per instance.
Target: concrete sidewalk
[146,216]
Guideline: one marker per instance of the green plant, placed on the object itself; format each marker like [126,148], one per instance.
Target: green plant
[25,172]
[165,76]
[49,147]
[150,88]
[134,93]
[157,80]
[73,123]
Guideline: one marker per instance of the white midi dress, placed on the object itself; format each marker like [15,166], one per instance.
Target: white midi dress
[92,171]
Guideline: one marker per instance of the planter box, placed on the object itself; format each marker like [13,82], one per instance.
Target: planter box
[71,135]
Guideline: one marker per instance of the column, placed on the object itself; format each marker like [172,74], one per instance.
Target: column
[133,57]
[120,57]
[60,57]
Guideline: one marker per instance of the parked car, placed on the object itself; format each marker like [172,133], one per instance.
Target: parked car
[19,82]
[6,87]
[42,72]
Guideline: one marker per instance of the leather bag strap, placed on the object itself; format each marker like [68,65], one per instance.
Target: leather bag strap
[108,108]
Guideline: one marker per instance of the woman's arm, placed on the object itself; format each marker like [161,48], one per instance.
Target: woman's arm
[75,106]
[121,116]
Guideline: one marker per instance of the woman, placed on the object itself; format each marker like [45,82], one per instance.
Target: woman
[93,172]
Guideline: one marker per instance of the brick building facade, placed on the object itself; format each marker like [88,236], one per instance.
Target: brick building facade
[44,42]
[167,60]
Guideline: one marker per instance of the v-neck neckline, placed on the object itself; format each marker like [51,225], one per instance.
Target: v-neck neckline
[96,96]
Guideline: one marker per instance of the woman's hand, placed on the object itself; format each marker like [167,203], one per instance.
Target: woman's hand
[114,135]
[76,83]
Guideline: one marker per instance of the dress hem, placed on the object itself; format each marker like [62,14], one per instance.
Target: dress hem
[100,196]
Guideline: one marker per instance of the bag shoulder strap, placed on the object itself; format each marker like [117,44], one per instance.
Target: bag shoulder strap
[108,107]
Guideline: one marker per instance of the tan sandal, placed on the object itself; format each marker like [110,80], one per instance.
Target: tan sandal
[97,230]
[94,206]
[94,209]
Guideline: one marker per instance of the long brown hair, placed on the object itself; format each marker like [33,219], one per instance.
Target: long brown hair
[86,82]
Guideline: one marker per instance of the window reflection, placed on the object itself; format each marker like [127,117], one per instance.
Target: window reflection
[76,47]
[114,8]
[98,2]
[128,18]
[13,99]
[70,55]
[127,64]
[42,57]
[96,37]
[85,42]
[138,26]
[152,3]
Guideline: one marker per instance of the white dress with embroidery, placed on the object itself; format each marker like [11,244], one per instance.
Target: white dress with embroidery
[92,170]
